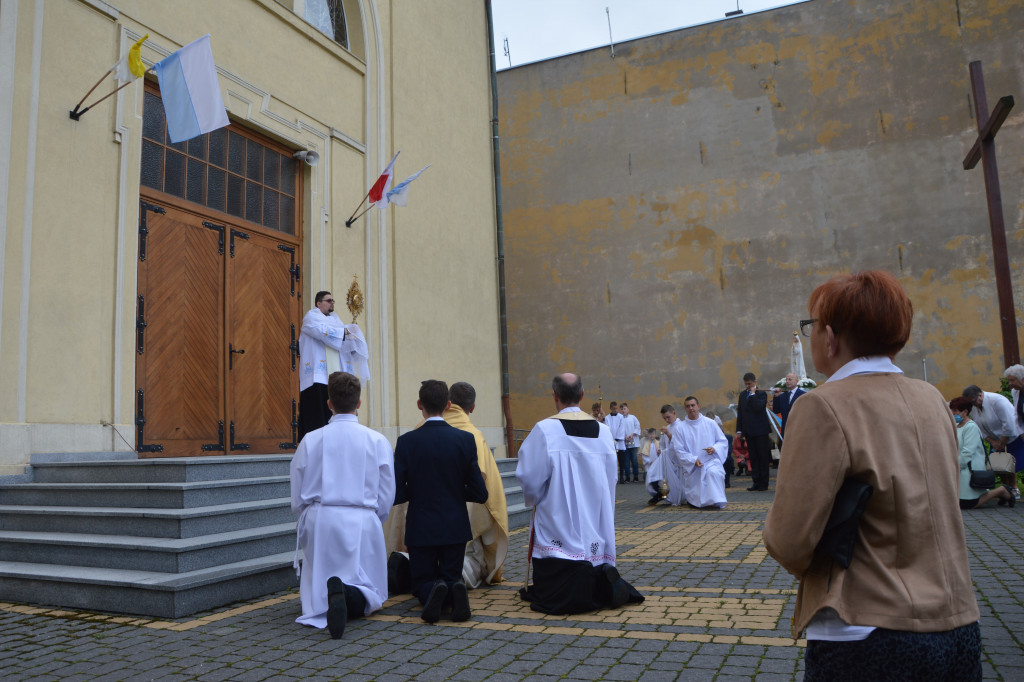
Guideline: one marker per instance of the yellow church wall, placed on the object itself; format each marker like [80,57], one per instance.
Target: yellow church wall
[446,322]
[67,346]
[669,211]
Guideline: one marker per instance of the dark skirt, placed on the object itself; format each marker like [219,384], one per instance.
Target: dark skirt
[563,586]
[953,656]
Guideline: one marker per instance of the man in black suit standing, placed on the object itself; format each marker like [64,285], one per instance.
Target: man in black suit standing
[436,472]
[752,423]
[782,403]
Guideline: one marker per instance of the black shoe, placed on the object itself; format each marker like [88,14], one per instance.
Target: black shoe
[435,600]
[460,603]
[337,610]
[620,595]
[636,480]
[753,488]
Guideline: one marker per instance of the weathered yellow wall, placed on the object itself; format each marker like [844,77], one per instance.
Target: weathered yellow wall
[446,320]
[67,313]
[669,211]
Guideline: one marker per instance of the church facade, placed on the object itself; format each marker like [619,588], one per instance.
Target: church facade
[669,209]
[151,293]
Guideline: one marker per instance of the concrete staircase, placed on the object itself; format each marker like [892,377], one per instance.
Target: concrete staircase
[518,512]
[156,537]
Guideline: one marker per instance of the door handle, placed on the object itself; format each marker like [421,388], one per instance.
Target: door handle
[231,355]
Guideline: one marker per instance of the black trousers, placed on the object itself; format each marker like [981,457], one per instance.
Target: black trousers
[760,458]
[430,563]
[313,411]
[355,602]
[953,656]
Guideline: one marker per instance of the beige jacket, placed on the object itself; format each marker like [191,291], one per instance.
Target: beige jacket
[909,569]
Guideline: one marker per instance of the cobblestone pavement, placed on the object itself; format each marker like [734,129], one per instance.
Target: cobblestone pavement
[718,608]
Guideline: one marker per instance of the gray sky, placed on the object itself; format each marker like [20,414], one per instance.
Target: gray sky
[541,29]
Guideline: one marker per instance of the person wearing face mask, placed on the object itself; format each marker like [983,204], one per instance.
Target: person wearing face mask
[972,456]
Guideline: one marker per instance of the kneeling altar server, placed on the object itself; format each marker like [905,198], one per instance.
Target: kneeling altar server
[567,469]
[343,486]
[699,449]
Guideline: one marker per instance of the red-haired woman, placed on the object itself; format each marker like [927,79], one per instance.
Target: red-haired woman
[905,607]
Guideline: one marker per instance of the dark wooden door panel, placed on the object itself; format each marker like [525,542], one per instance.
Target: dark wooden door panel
[179,371]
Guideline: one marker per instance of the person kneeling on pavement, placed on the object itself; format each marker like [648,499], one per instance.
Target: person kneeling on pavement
[567,468]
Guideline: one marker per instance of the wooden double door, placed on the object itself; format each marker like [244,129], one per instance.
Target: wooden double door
[218,316]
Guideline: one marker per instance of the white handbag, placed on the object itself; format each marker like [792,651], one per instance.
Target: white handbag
[1002,462]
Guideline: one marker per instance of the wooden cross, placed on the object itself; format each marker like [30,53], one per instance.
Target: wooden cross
[984,149]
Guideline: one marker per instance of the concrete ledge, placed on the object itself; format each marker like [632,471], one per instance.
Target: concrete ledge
[51,457]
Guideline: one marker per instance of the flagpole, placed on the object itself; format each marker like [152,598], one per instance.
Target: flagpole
[348,223]
[76,114]
[352,218]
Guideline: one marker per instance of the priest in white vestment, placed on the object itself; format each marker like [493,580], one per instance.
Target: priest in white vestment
[567,468]
[670,468]
[699,449]
[342,487]
[326,345]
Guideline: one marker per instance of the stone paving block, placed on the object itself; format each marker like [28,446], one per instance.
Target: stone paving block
[587,672]
[705,662]
[471,675]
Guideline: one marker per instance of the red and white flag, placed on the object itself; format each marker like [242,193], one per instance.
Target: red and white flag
[379,192]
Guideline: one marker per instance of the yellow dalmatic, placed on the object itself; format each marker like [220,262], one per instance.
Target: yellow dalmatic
[489,520]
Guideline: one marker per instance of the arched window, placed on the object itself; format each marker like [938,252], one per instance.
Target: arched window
[328,17]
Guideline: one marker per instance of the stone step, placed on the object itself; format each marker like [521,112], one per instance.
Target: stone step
[45,457]
[513,496]
[147,522]
[158,495]
[519,516]
[507,464]
[162,470]
[159,555]
[163,595]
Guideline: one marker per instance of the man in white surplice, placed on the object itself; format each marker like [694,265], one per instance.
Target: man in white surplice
[567,469]
[326,345]
[671,471]
[699,448]
[343,486]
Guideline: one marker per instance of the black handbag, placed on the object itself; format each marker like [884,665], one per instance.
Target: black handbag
[841,528]
[985,479]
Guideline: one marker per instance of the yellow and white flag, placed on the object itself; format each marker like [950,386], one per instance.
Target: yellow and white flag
[130,66]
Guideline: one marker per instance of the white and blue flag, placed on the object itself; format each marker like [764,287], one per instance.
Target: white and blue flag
[190,93]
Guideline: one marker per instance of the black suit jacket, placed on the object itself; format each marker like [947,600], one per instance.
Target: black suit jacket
[751,417]
[436,472]
[783,403]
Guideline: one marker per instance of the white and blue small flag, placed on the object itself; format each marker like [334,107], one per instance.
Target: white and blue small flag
[189,89]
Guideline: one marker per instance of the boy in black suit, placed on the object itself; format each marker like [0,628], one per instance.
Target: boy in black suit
[436,472]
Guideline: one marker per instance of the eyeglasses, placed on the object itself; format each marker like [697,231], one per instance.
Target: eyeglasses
[807,325]
[327,300]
